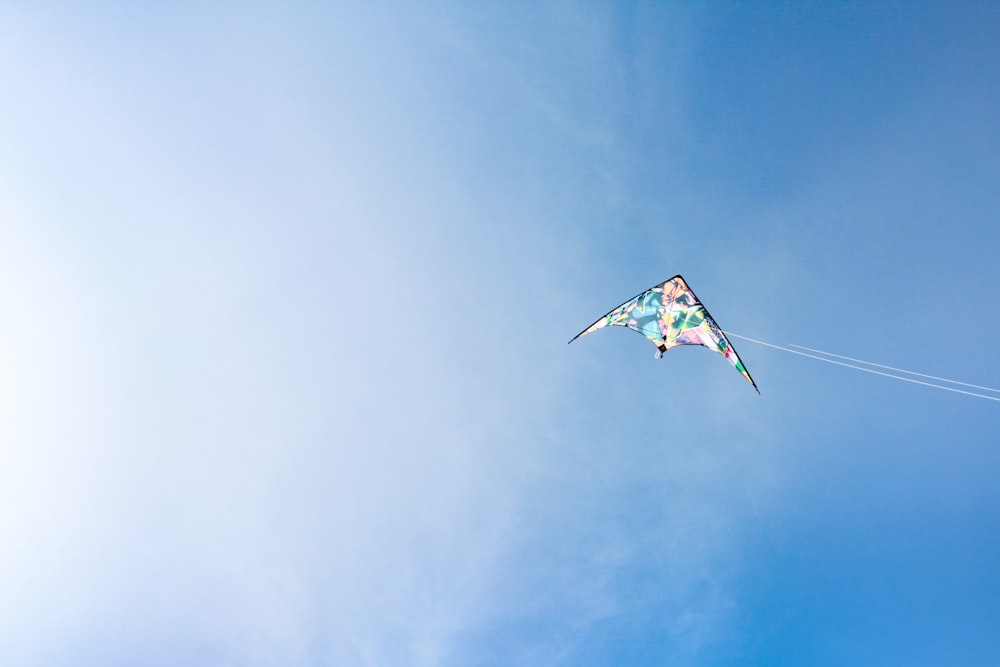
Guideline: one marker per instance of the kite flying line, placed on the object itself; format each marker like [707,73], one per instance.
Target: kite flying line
[828,360]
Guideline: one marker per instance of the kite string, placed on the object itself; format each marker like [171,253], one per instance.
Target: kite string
[898,370]
[871,370]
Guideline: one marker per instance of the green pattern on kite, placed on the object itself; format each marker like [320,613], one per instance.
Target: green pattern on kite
[669,315]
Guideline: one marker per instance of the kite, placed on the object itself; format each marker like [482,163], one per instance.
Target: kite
[669,314]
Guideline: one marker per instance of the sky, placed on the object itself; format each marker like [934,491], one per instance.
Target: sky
[285,290]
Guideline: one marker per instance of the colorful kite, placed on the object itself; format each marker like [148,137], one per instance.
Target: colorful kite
[669,314]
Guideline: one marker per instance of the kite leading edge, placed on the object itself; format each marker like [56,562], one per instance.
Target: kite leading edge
[669,314]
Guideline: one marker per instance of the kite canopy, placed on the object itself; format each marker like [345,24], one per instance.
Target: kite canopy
[669,314]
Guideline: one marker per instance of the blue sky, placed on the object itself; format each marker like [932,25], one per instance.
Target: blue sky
[285,292]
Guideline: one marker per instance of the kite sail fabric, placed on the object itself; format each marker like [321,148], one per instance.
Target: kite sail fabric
[669,314]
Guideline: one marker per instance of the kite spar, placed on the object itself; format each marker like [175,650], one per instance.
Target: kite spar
[669,314]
